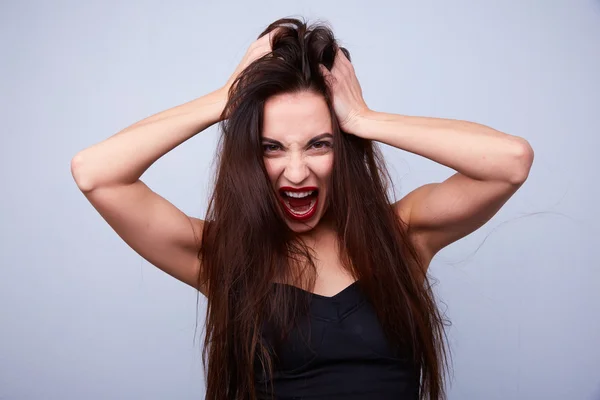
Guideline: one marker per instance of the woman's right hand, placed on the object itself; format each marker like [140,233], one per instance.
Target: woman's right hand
[257,49]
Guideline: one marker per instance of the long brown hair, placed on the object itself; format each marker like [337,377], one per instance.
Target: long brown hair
[246,244]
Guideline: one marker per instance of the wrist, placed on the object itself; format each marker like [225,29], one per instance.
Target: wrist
[362,126]
[218,100]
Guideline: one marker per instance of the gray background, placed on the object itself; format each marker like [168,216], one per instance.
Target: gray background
[84,317]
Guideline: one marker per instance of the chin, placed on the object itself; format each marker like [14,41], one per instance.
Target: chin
[302,227]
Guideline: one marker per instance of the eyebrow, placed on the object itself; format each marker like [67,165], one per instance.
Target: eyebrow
[311,141]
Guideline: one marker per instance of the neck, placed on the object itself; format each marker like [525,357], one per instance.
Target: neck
[324,229]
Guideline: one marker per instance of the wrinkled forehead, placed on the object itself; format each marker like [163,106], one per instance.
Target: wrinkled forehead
[295,117]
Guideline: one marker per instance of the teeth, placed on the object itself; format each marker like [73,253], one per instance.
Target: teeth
[299,195]
[300,214]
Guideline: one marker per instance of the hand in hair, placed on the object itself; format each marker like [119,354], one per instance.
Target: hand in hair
[348,101]
[260,47]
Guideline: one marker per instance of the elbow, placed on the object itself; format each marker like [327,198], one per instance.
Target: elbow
[77,172]
[523,161]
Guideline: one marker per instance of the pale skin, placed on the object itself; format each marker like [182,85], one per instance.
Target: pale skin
[292,123]
[490,166]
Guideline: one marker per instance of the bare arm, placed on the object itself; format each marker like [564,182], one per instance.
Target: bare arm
[125,156]
[108,175]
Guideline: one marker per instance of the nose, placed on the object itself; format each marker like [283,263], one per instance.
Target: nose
[296,169]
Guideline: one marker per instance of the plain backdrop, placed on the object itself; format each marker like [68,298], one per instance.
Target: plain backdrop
[82,316]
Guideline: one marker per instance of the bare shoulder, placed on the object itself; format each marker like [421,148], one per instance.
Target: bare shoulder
[439,214]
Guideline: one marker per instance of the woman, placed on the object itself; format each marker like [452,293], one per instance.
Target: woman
[316,283]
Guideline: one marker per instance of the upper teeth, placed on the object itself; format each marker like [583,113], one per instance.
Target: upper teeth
[299,194]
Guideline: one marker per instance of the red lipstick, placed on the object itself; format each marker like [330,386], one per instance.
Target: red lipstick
[291,214]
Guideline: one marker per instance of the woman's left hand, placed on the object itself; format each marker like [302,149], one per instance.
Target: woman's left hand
[348,101]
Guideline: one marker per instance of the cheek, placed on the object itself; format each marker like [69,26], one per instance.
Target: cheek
[273,169]
[323,167]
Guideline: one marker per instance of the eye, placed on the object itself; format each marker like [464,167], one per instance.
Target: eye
[269,148]
[321,145]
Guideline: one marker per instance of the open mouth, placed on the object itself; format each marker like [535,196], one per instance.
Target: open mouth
[299,204]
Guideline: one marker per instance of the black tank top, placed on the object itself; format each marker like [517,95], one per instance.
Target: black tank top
[344,355]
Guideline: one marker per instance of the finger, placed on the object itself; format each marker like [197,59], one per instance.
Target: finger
[272,34]
[343,56]
[324,70]
[341,61]
[338,63]
[327,75]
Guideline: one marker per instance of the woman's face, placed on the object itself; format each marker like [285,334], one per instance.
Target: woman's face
[297,141]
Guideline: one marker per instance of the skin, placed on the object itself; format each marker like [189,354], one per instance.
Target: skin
[293,119]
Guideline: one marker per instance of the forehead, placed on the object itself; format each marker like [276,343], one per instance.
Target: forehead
[295,116]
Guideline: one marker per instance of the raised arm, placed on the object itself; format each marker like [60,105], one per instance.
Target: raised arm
[108,174]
